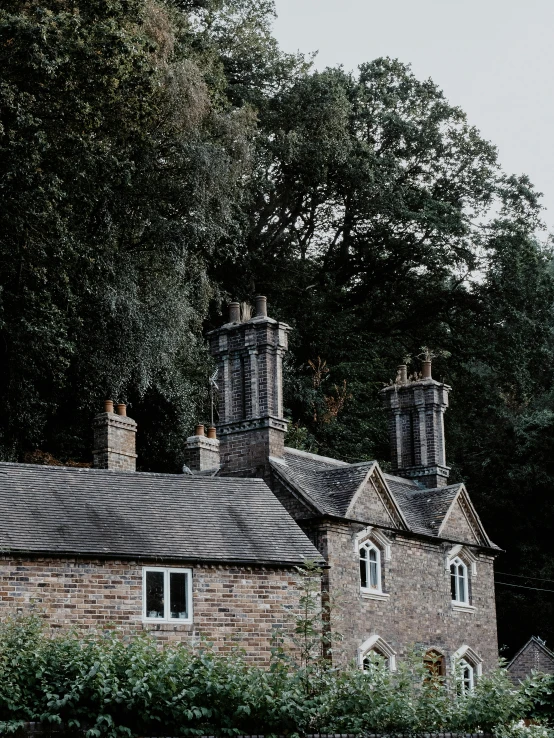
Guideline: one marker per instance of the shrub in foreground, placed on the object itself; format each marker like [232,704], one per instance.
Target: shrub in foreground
[113,686]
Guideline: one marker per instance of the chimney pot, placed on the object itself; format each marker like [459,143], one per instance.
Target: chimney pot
[426,369]
[261,306]
[199,431]
[234,312]
[108,406]
[211,432]
[121,408]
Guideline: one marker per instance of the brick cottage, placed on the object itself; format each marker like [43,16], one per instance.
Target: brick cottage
[212,552]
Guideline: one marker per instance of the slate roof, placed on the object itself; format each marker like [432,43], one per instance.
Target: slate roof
[329,486]
[424,509]
[49,509]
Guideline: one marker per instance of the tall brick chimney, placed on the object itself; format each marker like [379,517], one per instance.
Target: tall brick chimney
[251,427]
[416,427]
[114,439]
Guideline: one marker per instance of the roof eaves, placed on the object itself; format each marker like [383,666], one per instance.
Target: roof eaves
[401,515]
[106,555]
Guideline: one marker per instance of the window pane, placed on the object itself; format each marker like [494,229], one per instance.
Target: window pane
[372,554]
[374,580]
[154,594]
[363,572]
[461,588]
[178,595]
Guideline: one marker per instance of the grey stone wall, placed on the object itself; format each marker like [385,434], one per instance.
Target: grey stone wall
[418,610]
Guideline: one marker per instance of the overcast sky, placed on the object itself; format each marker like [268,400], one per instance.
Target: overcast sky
[493,58]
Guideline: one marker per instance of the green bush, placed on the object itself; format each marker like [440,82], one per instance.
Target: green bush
[112,686]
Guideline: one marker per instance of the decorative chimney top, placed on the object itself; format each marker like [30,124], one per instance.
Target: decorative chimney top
[416,405]
[249,351]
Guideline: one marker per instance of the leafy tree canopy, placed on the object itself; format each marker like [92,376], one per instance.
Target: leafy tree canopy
[159,156]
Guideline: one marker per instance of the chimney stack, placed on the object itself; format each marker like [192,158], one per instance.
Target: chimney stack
[416,427]
[251,425]
[114,439]
[201,451]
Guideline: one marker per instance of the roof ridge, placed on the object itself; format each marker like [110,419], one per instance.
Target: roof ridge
[125,474]
[435,490]
[315,457]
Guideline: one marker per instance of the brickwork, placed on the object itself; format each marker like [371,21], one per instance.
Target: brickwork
[251,426]
[418,609]
[370,506]
[534,656]
[416,430]
[232,606]
[114,442]
[457,526]
[202,453]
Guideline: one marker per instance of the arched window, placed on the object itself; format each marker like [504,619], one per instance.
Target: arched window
[376,646]
[370,567]
[466,678]
[367,661]
[468,667]
[459,584]
[435,663]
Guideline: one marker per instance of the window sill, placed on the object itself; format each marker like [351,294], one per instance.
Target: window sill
[370,595]
[161,621]
[462,607]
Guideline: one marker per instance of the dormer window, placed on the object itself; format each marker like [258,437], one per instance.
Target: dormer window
[459,584]
[370,567]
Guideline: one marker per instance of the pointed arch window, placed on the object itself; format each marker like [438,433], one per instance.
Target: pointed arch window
[468,667]
[376,646]
[370,567]
[466,677]
[459,582]
[435,663]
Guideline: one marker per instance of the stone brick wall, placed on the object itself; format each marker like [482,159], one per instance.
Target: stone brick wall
[232,606]
[418,609]
[457,526]
[245,447]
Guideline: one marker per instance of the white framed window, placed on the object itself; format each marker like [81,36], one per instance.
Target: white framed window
[166,595]
[459,582]
[370,567]
[376,645]
[468,667]
[466,677]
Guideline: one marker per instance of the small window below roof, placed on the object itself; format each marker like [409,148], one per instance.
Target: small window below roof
[167,595]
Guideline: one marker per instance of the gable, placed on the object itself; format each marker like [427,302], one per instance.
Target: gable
[370,505]
[374,502]
[534,656]
[458,524]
